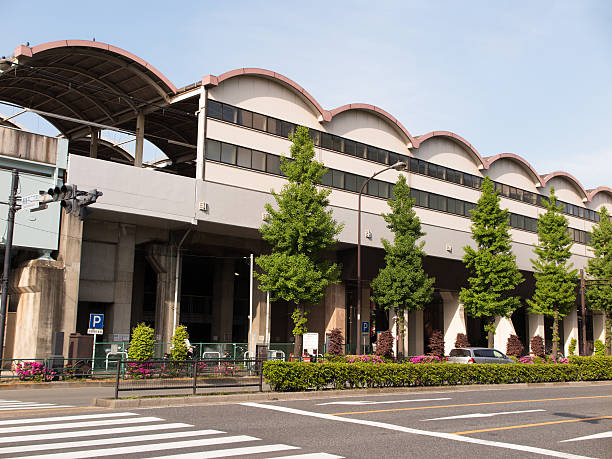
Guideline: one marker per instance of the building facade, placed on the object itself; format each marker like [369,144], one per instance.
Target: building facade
[170,241]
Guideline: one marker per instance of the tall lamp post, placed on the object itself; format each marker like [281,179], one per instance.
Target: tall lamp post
[398,166]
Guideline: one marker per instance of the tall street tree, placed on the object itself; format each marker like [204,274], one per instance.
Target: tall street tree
[555,291]
[299,230]
[402,283]
[492,265]
[599,292]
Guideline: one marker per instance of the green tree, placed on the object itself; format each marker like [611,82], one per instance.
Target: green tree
[299,231]
[141,344]
[402,283]
[598,295]
[555,290]
[492,265]
[179,347]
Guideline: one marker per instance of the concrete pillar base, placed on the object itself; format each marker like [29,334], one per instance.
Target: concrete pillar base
[570,330]
[454,319]
[503,330]
[536,328]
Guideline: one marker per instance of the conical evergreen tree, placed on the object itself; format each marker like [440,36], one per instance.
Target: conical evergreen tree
[555,291]
[492,265]
[599,295]
[402,283]
[299,231]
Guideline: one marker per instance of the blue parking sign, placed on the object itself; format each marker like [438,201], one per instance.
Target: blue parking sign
[96,321]
[365,327]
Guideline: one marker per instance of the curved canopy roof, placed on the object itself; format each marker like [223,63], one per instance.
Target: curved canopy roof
[97,83]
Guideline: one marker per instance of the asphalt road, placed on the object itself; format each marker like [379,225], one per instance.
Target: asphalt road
[533,422]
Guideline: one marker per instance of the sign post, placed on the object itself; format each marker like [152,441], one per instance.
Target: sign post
[96,327]
[365,329]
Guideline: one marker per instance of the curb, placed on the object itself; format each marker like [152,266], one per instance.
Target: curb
[286,396]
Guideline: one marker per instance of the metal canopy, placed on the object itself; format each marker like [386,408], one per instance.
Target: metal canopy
[98,83]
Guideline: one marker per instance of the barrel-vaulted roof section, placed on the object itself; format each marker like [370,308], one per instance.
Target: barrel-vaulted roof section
[97,83]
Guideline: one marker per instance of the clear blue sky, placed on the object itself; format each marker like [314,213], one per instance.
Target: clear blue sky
[527,77]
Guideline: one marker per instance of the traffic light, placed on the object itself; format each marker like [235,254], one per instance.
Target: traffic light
[61,193]
[74,201]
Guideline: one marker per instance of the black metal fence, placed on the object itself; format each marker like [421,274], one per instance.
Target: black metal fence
[56,369]
[161,375]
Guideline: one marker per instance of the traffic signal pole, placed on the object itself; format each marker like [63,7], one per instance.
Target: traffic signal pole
[7,256]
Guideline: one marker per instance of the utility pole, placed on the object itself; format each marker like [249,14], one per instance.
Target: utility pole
[7,256]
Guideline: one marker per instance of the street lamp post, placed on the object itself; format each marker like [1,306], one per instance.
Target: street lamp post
[399,166]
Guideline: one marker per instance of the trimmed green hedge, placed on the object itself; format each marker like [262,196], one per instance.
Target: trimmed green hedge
[299,376]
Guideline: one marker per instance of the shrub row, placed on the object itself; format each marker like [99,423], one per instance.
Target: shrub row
[299,376]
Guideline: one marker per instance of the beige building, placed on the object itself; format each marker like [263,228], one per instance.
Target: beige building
[169,242]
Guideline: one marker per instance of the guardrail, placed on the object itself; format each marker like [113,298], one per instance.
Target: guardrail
[151,375]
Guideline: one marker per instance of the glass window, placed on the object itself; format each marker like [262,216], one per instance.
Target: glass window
[229,113]
[467,180]
[228,153]
[442,172]
[459,353]
[422,167]
[244,157]
[349,147]
[459,207]
[287,129]
[414,194]
[432,170]
[338,179]
[373,187]
[583,237]
[383,156]
[214,109]
[259,121]
[327,178]
[513,193]
[273,164]
[315,136]
[383,190]
[359,182]
[337,143]
[476,182]
[372,153]
[414,165]
[520,221]
[360,150]
[394,158]
[469,206]
[433,201]
[213,150]
[528,197]
[259,161]
[505,190]
[245,118]
[423,199]
[451,205]
[350,182]
[596,217]
[498,355]
[326,141]
[273,126]
[442,205]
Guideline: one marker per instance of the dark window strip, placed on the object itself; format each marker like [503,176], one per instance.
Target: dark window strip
[267,162]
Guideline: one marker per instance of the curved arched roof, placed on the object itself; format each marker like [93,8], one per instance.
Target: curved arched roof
[569,177]
[456,138]
[489,160]
[10,123]
[106,150]
[599,189]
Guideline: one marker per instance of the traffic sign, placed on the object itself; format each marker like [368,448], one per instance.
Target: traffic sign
[365,327]
[30,201]
[96,324]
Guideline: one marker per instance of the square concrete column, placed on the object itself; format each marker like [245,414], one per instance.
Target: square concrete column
[223,301]
[393,328]
[454,319]
[201,141]
[415,333]
[139,148]
[504,328]
[570,330]
[536,328]
[121,310]
[260,318]
[335,309]
[599,327]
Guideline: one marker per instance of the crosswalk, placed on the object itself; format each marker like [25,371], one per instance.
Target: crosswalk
[13,405]
[116,434]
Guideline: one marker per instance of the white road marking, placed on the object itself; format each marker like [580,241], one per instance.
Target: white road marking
[139,449]
[35,407]
[364,402]
[231,452]
[106,441]
[310,456]
[591,437]
[65,418]
[75,425]
[447,436]
[7,405]
[481,415]
[91,433]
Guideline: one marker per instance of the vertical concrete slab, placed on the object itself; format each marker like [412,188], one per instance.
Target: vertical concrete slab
[121,309]
[454,319]
[335,309]
[536,327]
[599,327]
[162,258]
[570,330]
[223,300]
[70,243]
[393,328]
[503,329]
[415,333]
[138,150]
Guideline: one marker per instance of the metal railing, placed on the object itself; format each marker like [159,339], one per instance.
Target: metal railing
[57,369]
[162,374]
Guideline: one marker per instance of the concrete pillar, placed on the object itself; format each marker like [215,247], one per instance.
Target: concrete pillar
[70,242]
[415,333]
[37,287]
[201,142]
[536,327]
[599,327]
[570,330]
[223,301]
[140,127]
[454,319]
[365,317]
[259,318]
[93,144]
[335,309]
[405,343]
[393,328]
[163,260]
[124,270]
[503,329]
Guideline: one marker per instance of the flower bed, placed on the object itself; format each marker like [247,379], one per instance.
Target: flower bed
[299,376]
[35,371]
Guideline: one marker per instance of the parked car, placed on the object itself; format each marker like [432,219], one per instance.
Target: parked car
[478,355]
